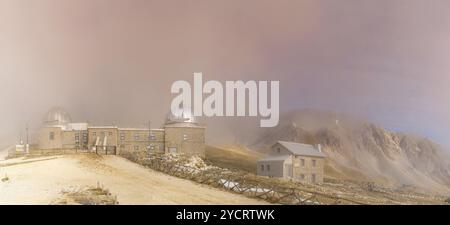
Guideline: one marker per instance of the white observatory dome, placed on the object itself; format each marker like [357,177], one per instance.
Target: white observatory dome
[181,116]
[57,116]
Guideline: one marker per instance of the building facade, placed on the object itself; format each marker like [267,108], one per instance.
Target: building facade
[294,161]
[180,134]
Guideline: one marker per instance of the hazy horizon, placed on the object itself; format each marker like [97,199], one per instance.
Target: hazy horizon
[113,61]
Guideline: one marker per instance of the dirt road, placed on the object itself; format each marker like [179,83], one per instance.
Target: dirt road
[41,182]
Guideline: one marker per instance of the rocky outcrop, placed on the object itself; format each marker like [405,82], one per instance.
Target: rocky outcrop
[358,149]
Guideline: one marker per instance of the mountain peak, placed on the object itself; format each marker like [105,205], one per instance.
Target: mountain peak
[356,146]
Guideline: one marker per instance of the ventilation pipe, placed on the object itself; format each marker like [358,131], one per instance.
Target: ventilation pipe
[105,142]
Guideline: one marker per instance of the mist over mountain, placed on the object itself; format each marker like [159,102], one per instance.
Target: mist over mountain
[360,150]
[114,61]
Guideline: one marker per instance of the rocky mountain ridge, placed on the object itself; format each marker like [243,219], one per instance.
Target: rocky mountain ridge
[361,150]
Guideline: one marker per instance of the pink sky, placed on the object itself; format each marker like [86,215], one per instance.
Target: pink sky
[114,60]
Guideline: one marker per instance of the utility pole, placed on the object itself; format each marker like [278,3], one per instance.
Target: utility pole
[20,137]
[27,146]
[149,135]
[26,130]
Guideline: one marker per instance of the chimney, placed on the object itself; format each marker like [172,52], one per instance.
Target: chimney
[319,147]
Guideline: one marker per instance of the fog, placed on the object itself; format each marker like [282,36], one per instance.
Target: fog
[113,61]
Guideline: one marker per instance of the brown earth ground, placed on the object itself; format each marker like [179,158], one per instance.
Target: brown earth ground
[44,179]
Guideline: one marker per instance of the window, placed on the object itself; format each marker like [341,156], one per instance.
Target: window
[302,162]
[77,137]
[302,176]
[136,147]
[110,133]
[185,137]
[122,136]
[278,150]
[262,167]
[268,167]
[94,133]
[314,163]
[151,137]
[51,136]
[313,178]
[136,137]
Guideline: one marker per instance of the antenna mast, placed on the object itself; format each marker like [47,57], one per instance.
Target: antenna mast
[26,129]
[149,134]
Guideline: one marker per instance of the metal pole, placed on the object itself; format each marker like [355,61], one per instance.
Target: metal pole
[149,135]
[27,132]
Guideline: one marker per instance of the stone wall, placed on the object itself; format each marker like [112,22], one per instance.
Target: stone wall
[185,140]
[50,138]
[139,139]
[308,169]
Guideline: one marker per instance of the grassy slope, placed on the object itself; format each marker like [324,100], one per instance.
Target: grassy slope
[238,157]
[233,157]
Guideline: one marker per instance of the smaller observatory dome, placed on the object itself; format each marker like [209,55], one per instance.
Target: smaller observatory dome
[181,116]
[57,116]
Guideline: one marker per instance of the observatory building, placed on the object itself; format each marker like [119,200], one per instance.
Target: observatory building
[179,134]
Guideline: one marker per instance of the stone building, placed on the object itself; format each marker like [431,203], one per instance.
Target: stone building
[184,135]
[179,135]
[139,139]
[295,161]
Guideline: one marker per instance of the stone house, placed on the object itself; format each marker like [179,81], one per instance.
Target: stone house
[294,161]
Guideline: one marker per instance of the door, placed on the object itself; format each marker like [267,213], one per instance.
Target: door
[313,178]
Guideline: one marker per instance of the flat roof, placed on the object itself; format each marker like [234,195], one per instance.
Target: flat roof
[102,127]
[140,129]
[189,125]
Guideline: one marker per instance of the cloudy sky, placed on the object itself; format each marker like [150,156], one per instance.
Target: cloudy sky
[113,61]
